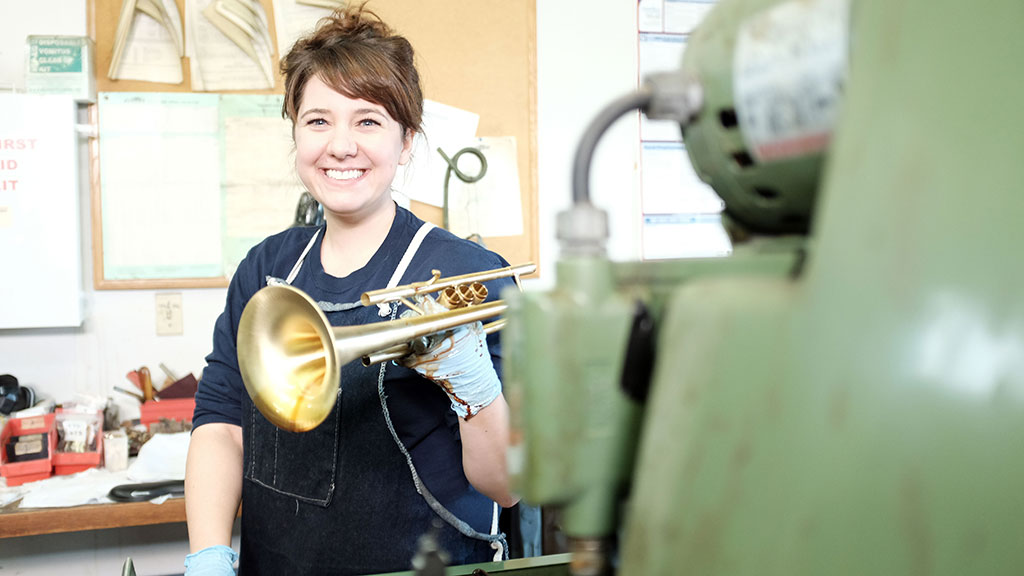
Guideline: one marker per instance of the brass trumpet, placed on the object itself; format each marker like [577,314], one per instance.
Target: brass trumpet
[290,356]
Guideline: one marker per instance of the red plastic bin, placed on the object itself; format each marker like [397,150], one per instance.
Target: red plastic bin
[170,408]
[18,473]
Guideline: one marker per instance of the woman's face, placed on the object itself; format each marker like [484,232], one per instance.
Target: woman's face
[347,151]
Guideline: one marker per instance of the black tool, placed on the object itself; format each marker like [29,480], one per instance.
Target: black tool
[146,491]
[14,397]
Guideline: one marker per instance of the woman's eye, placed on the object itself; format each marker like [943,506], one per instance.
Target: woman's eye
[316,122]
[369,122]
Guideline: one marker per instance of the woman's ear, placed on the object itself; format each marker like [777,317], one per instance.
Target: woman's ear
[407,141]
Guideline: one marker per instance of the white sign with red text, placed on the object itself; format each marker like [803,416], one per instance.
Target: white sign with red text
[40,229]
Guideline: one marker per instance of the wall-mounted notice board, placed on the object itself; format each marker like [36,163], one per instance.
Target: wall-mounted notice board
[157,224]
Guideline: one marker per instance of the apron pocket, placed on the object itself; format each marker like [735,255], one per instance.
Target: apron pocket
[297,464]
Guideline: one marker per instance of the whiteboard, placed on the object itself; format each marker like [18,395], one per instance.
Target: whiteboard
[40,230]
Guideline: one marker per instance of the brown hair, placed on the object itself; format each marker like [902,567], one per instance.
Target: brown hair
[354,52]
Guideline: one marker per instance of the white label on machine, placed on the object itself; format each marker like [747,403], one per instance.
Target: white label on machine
[788,73]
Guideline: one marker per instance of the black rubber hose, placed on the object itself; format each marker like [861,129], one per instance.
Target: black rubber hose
[598,126]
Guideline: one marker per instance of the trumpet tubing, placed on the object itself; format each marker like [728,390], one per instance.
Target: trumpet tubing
[418,288]
[462,295]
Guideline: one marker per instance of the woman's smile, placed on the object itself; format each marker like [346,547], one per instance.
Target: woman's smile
[344,175]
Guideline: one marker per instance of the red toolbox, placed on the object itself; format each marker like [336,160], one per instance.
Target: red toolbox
[18,473]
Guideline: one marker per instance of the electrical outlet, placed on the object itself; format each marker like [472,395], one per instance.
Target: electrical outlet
[168,315]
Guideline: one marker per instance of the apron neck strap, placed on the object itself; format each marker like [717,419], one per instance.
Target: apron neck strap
[410,251]
[302,257]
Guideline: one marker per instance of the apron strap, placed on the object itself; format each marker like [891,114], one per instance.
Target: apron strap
[302,257]
[414,245]
[403,264]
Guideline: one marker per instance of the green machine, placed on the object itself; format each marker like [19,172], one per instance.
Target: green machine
[845,393]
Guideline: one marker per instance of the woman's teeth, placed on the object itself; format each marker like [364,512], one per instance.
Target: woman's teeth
[344,174]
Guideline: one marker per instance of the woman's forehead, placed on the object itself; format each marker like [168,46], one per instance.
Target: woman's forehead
[319,94]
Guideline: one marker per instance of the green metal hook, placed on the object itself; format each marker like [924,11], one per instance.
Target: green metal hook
[453,166]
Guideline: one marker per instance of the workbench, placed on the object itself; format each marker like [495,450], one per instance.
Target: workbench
[16,522]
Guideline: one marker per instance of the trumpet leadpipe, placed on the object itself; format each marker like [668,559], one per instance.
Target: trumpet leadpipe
[402,350]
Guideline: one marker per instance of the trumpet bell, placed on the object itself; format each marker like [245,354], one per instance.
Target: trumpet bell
[287,358]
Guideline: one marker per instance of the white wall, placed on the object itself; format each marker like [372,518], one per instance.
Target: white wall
[586,58]
[18,19]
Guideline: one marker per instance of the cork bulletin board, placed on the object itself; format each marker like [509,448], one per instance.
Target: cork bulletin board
[477,55]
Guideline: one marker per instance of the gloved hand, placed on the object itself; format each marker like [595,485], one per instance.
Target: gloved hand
[212,561]
[460,364]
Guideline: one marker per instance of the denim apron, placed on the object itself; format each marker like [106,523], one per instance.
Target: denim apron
[344,498]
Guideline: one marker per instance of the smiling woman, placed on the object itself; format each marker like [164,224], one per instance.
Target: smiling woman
[397,457]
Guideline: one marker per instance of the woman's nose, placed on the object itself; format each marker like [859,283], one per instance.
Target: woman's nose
[342,144]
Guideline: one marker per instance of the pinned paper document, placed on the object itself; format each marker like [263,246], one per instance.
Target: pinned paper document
[294,19]
[445,127]
[166,14]
[491,206]
[148,43]
[229,45]
[241,23]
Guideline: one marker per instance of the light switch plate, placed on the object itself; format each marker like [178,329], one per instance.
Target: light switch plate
[168,315]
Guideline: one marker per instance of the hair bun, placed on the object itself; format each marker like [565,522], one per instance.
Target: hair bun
[350,20]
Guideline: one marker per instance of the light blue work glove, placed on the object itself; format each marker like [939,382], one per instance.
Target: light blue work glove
[460,364]
[213,561]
